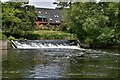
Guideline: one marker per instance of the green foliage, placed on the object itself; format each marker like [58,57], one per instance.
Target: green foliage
[48,25]
[63,4]
[46,34]
[63,26]
[11,38]
[95,23]
[17,16]
[2,37]
[41,34]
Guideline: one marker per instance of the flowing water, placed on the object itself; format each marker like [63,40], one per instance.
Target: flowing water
[46,44]
[61,63]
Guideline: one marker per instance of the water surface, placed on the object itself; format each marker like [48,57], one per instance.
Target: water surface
[61,63]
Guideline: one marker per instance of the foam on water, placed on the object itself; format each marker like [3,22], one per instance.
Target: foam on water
[38,45]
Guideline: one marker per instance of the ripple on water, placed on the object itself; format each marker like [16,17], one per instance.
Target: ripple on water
[93,63]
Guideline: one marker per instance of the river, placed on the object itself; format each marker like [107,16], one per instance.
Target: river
[61,63]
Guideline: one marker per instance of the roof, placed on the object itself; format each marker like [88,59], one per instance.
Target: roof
[52,15]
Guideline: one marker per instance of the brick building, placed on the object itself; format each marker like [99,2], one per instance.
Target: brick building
[46,16]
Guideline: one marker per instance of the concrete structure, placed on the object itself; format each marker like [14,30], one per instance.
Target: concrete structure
[3,45]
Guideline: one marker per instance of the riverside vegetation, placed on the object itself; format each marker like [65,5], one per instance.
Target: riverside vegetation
[97,24]
[93,23]
[18,22]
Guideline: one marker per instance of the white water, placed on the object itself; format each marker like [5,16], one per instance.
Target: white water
[39,45]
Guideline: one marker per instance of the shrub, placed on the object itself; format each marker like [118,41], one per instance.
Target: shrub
[11,38]
[3,37]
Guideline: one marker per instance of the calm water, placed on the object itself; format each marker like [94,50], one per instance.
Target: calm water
[61,63]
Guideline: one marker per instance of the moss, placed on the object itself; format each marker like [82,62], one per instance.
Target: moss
[11,38]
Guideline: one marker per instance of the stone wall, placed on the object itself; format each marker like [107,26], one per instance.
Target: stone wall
[4,45]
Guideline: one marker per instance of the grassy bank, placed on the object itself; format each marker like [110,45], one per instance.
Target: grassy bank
[46,34]
[41,35]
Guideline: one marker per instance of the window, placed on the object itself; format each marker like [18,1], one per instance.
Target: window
[39,11]
[58,21]
[50,19]
[45,12]
[56,16]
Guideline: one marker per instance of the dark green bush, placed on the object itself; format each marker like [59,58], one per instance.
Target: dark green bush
[3,37]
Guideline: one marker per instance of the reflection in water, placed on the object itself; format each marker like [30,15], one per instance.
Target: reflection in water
[61,63]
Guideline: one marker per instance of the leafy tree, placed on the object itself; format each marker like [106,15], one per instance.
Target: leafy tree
[63,4]
[95,23]
[18,16]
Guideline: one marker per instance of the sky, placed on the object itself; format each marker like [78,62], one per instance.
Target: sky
[3,0]
[41,3]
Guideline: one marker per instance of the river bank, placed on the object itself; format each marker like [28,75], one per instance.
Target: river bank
[40,35]
[4,45]
[91,46]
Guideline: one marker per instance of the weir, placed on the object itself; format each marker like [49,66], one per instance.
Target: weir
[46,44]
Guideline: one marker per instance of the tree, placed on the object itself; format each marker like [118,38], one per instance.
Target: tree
[18,16]
[64,4]
[95,23]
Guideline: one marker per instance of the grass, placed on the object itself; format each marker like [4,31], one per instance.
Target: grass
[42,35]
[49,34]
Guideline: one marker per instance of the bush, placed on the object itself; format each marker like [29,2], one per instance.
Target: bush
[16,34]
[63,27]
[30,35]
[39,35]
[3,37]
[11,38]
